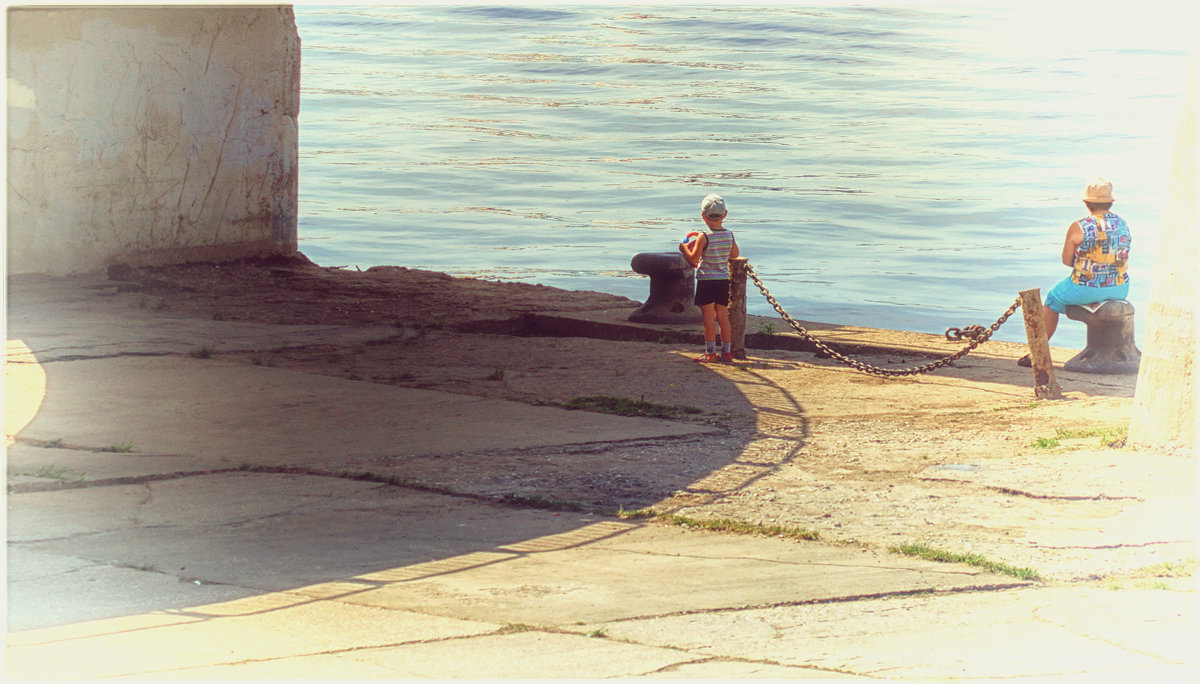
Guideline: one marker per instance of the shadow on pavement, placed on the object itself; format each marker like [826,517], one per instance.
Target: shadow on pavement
[133,487]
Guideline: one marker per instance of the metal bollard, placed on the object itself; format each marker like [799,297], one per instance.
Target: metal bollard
[1110,346]
[672,289]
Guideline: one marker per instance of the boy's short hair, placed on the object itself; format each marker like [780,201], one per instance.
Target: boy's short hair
[1098,206]
[713,206]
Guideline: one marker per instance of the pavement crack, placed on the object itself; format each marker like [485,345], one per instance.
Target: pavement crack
[675,667]
[309,654]
[879,596]
[63,573]
[56,485]
[1060,497]
[1030,495]
[947,571]
[62,538]
[46,356]
[1097,547]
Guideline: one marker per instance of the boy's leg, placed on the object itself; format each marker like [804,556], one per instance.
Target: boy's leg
[721,313]
[708,313]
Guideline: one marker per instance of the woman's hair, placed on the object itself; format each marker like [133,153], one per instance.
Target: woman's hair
[1098,206]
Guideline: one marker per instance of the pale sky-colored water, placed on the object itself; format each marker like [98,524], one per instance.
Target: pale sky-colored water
[899,167]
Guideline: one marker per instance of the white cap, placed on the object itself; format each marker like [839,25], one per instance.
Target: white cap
[713,206]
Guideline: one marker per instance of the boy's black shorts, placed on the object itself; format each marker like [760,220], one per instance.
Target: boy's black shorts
[712,292]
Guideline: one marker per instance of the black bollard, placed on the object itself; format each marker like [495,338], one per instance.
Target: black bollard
[1110,346]
[672,289]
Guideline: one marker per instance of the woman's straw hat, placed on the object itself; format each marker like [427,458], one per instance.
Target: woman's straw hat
[1098,191]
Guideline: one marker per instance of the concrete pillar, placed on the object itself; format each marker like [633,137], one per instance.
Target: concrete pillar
[151,134]
[1164,409]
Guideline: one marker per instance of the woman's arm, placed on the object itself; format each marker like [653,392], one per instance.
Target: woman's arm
[1074,237]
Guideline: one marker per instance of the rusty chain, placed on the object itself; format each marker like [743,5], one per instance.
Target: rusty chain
[970,332]
[976,333]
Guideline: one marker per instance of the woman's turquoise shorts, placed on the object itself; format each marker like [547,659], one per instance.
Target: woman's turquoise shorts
[1068,292]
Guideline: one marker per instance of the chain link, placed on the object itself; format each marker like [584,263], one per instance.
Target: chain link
[970,332]
[977,334]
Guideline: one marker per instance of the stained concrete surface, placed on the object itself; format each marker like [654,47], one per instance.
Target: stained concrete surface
[220,570]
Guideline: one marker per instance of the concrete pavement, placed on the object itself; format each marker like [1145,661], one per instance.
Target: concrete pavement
[182,557]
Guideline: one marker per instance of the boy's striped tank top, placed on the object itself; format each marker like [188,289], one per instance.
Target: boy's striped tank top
[714,264]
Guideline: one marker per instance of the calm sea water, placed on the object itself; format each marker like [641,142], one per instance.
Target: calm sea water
[895,167]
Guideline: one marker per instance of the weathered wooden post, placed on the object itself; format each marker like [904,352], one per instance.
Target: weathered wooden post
[1044,384]
[737,306]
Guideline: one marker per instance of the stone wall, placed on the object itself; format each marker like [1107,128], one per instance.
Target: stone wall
[150,135]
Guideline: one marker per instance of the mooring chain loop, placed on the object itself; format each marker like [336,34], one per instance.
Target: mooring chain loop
[977,334]
[970,332]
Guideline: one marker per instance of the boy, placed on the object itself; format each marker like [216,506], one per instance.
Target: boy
[709,254]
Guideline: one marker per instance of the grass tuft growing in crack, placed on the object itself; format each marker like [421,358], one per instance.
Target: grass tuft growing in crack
[629,407]
[973,559]
[117,448]
[727,525]
[535,501]
[48,471]
[1185,568]
[1106,436]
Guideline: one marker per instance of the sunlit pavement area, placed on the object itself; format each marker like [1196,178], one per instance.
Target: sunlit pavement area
[179,560]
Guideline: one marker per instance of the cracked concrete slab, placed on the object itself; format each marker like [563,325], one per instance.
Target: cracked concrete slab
[370,544]
[245,414]
[1007,634]
[82,318]
[47,467]
[330,577]
[649,570]
[304,557]
[522,655]
[274,629]
[83,589]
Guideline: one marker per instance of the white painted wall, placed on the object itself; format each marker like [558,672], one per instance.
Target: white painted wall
[150,135]
[1164,408]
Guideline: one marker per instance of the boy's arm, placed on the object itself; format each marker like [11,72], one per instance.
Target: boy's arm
[733,251]
[692,251]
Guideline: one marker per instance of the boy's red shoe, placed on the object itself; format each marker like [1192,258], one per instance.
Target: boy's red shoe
[727,357]
[708,358]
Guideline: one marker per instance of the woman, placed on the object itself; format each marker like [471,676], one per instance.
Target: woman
[1097,250]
